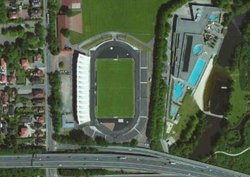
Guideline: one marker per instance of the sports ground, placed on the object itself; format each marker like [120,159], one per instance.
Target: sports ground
[136,17]
[115,88]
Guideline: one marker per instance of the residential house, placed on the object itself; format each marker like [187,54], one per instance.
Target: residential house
[38,102]
[34,13]
[3,79]
[24,132]
[38,73]
[40,119]
[11,79]
[40,109]
[13,14]
[4,97]
[3,65]
[38,58]
[3,71]
[4,127]
[71,4]
[25,63]
[35,3]
[11,110]
[38,93]
[39,133]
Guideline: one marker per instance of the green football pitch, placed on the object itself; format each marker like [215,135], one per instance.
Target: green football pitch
[115,88]
[136,17]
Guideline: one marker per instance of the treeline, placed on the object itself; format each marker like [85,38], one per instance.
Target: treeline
[80,138]
[21,149]
[13,30]
[3,12]
[55,100]
[241,56]
[52,40]
[87,172]
[190,136]
[233,8]
[22,172]
[155,125]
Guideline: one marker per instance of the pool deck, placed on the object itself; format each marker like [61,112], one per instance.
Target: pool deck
[193,28]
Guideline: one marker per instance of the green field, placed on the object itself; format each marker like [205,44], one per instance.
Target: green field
[115,88]
[136,17]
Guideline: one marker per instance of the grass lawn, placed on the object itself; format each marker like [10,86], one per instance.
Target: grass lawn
[136,17]
[20,76]
[115,88]
[187,109]
[237,100]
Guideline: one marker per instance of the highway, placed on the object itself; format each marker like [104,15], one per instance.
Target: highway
[117,161]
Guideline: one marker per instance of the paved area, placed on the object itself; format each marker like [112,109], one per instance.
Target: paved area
[66,90]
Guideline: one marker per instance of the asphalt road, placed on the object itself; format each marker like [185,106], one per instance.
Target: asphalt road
[117,161]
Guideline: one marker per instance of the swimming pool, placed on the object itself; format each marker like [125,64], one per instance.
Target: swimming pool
[197,49]
[178,91]
[174,110]
[213,17]
[197,71]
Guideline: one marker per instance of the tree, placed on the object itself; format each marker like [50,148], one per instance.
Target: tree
[133,142]
[101,141]
[61,65]
[65,32]
[3,12]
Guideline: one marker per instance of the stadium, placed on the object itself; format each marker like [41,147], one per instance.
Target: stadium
[110,91]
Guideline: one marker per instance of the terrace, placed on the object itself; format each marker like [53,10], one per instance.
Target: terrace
[196,40]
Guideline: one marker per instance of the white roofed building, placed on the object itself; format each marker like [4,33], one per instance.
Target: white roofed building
[83,88]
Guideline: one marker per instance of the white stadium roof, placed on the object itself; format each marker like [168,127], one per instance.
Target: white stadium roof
[83,88]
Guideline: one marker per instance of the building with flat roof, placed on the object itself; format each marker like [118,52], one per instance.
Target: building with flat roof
[196,39]
[83,88]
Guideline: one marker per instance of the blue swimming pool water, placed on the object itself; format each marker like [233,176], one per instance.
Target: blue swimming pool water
[174,110]
[197,71]
[197,49]
[178,91]
[213,17]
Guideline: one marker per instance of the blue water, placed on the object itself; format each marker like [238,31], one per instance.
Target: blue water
[197,49]
[174,110]
[178,91]
[213,17]
[197,71]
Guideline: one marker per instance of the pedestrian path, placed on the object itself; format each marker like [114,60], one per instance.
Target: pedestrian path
[232,155]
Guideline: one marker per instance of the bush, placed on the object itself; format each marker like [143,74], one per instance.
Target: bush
[55,100]
[158,86]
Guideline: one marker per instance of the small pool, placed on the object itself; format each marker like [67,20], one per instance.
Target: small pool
[197,71]
[174,110]
[178,91]
[213,17]
[197,49]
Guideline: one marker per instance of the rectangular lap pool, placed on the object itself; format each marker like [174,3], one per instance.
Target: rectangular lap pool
[197,71]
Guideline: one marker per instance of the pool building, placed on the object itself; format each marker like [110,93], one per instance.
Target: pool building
[195,40]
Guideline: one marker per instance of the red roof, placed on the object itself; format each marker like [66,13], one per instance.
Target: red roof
[41,119]
[4,96]
[38,73]
[69,2]
[62,22]
[11,79]
[25,63]
[3,64]
[24,132]
[3,78]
